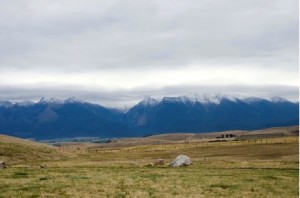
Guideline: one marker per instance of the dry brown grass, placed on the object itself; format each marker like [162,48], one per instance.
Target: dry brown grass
[179,138]
[261,168]
[16,150]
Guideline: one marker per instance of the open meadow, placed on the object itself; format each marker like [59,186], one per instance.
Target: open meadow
[245,168]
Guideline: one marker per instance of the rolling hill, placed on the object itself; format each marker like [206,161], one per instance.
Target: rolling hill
[16,150]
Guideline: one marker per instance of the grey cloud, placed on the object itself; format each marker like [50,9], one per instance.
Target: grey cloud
[86,36]
[96,35]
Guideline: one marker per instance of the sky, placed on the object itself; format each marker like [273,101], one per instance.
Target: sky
[117,52]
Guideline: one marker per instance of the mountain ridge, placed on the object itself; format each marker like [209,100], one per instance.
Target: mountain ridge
[53,118]
[214,98]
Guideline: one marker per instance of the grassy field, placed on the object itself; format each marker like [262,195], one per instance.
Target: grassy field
[227,169]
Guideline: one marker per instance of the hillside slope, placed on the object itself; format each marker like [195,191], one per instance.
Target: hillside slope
[15,150]
[181,138]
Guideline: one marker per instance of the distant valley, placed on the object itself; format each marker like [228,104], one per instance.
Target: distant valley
[49,119]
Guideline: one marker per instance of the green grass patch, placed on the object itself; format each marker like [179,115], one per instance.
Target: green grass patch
[223,186]
[152,176]
[43,178]
[20,174]
[77,177]
[271,177]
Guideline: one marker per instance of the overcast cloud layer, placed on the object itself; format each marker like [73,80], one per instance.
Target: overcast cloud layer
[117,52]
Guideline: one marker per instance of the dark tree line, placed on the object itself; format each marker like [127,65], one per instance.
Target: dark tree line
[227,136]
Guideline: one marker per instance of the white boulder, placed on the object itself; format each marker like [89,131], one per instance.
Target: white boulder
[181,160]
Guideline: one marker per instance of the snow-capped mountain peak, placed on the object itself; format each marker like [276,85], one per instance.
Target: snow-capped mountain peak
[74,100]
[252,100]
[278,99]
[44,100]
[215,98]
[25,103]
[180,99]
[148,101]
[203,99]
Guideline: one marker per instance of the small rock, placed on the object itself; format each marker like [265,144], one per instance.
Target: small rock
[2,165]
[43,166]
[159,162]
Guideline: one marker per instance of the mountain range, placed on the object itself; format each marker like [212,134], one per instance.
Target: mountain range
[48,119]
